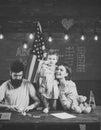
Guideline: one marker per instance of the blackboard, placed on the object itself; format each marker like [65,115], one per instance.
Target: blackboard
[10,50]
[84,58]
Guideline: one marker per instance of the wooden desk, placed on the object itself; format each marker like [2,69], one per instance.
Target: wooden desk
[40,119]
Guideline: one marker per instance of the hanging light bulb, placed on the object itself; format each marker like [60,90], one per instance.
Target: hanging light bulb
[82,32]
[50,39]
[96,37]
[31,36]
[82,37]
[1,33]
[1,36]
[95,31]
[66,37]
[25,45]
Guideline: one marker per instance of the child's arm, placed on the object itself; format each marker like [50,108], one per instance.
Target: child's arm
[42,69]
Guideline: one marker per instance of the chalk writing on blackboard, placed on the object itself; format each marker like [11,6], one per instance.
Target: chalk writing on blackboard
[23,53]
[80,59]
[74,57]
[69,56]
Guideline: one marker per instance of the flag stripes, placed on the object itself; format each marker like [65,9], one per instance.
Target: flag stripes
[36,54]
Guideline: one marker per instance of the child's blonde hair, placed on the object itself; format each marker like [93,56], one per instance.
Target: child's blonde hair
[52,52]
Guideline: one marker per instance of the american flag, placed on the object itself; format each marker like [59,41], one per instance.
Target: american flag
[36,54]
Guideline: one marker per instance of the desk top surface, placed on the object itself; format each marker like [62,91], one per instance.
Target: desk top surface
[38,117]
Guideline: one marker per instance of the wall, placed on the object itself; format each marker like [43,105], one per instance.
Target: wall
[10,50]
[85,63]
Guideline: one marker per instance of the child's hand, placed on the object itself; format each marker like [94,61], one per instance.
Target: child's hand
[46,62]
[46,110]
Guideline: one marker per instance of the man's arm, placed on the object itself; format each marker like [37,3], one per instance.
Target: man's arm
[3,105]
[3,89]
[2,95]
[9,107]
[32,93]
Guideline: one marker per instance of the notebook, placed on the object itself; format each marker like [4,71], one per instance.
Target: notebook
[5,116]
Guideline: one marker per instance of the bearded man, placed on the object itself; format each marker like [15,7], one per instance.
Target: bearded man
[16,92]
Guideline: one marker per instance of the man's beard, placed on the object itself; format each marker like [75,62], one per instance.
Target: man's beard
[16,82]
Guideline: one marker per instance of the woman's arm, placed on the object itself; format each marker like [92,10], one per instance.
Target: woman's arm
[65,101]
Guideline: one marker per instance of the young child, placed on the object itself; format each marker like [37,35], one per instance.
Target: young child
[48,88]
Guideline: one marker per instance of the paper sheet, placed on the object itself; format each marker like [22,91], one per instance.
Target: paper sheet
[63,115]
[5,116]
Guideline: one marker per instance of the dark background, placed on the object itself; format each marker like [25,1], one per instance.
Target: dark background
[18,18]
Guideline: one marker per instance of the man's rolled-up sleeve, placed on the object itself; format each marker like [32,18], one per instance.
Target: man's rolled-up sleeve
[2,92]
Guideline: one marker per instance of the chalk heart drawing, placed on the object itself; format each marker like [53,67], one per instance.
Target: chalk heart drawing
[67,23]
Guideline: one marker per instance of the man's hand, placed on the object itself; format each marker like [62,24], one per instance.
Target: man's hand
[29,108]
[13,108]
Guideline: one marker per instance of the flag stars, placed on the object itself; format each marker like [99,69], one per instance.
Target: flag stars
[43,47]
[34,45]
[33,51]
[38,36]
[39,44]
[38,56]
[37,49]
[36,40]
